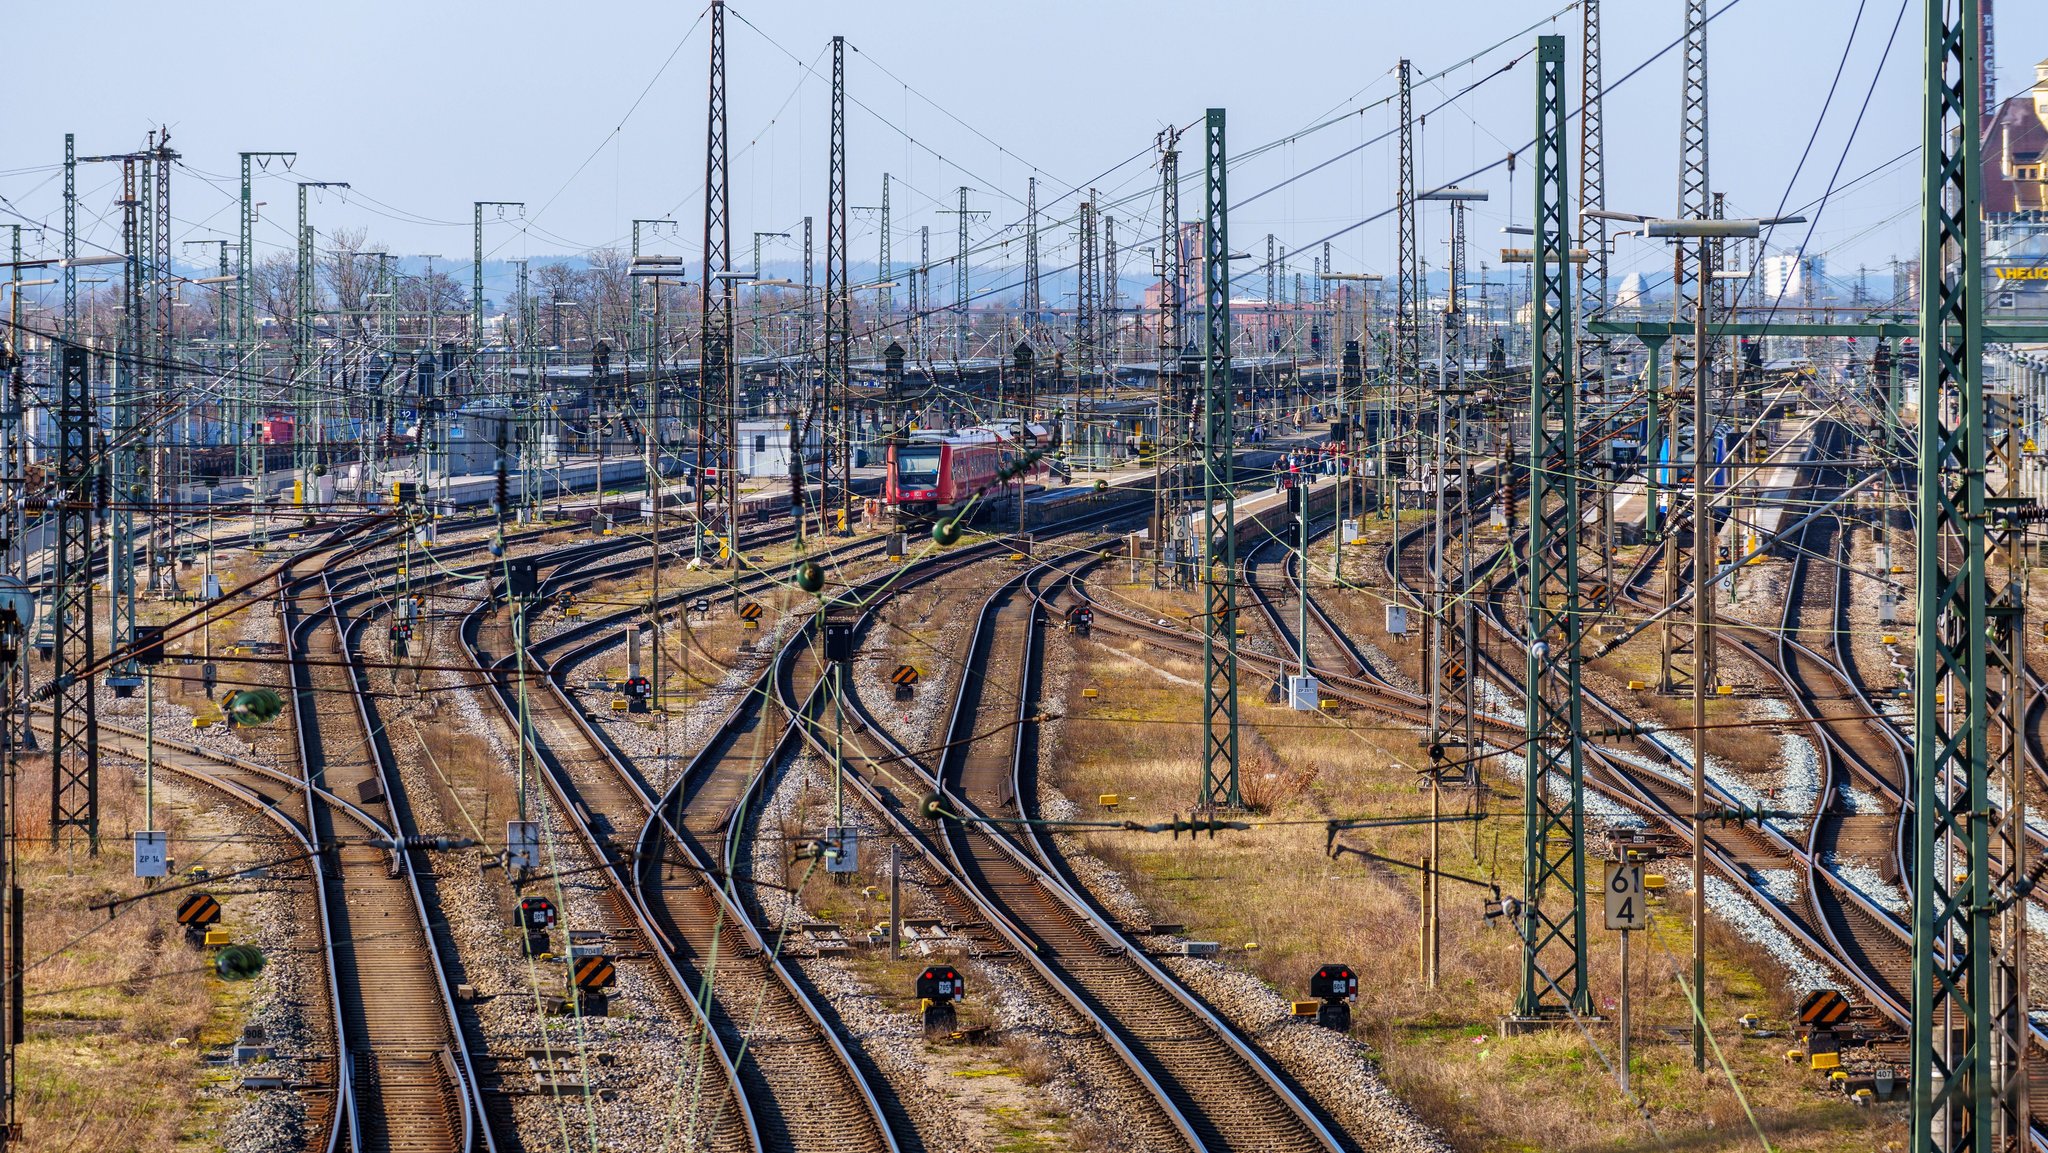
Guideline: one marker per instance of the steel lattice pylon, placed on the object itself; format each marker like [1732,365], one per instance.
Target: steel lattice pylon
[1219,522]
[1683,660]
[1086,273]
[715,291]
[1554,871]
[74,728]
[885,309]
[1592,167]
[838,301]
[127,398]
[164,284]
[1032,304]
[1171,432]
[1408,277]
[1953,1102]
[961,291]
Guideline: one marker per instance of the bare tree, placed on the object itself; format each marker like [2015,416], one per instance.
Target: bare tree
[431,295]
[607,299]
[558,281]
[277,286]
[348,272]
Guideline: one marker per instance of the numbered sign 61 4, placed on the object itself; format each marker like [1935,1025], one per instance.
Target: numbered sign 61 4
[1627,907]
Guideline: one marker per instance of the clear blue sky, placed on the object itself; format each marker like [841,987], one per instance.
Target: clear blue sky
[426,107]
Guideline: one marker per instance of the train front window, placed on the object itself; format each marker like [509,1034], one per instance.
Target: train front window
[917,467]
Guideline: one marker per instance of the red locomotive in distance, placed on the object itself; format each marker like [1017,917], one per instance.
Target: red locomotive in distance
[934,474]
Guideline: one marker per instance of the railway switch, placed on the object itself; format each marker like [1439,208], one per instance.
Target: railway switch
[937,988]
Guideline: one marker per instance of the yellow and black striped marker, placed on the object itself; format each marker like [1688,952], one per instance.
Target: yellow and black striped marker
[593,972]
[1824,1008]
[750,611]
[199,910]
[905,675]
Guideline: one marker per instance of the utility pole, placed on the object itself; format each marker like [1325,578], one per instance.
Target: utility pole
[122,455]
[162,285]
[754,299]
[1171,434]
[804,321]
[68,267]
[1957,1102]
[305,420]
[885,267]
[1266,342]
[838,413]
[960,290]
[247,335]
[1684,658]
[1085,272]
[1108,296]
[1407,294]
[1592,180]
[648,335]
[1034,304]
[1452,629]
[74,725]
[1219,519]
[476,279]
[961,294]
[1553,913]
[714,345]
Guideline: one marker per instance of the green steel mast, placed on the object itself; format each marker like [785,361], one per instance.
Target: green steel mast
[1953,1102]
[1553,914]
[1219,520]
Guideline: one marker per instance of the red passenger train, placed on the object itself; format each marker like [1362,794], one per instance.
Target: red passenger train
[936,474]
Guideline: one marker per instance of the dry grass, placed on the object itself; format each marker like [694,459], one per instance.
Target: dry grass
[1280,906]
[117,1009]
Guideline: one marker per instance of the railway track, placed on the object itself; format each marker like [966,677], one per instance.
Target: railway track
[406,1078]
[1226,1093]
[787,1080]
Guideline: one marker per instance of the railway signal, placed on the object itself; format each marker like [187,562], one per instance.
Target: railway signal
[1336,986]
[938,987]
[535,916]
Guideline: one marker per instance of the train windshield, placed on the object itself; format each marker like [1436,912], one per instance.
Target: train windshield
[917,467]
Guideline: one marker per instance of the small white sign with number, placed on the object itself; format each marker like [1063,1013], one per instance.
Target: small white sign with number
[152,853]
[522,844]
[1627,907]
